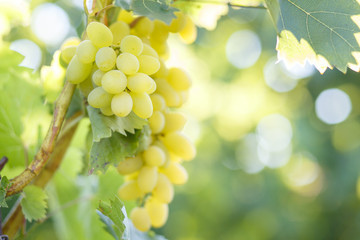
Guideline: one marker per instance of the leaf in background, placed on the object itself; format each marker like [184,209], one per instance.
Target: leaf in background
[102,126]
[154,9]
[12,58]
[112,150]
[325,32]
[4,184]
[124,4]
[33,203]
[113,211]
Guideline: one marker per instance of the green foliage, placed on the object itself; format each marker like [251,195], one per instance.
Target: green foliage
[4,184]
[309,28]
[33,203]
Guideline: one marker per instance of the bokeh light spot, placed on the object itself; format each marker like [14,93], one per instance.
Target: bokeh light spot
[30,51]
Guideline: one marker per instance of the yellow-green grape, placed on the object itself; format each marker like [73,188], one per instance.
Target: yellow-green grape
[127,63]
[148,64]
[160,32]
[106,111]
[99,98]
[97,76]
[147,178]
[159,144]
[125,16]
[130,165]
[130,190]
[178,79]
[144,27]
[105,58]
[149,51]
[119,29]
[176,173]
[174,121]
[77,71]
[154,156]
[157,211]
[86,87]
[142,105]
[152,89]
[158,102]
[174,158]
[114,82]
[189,33]
[179,144]
[72,41]
[131,44]
[140,83]
[156,122]
[172,98]
[122,104]
[163,70]
[67,53]
[99,34]
[178,23]
[164,190]
[141,219]
[86,51]
[161,48]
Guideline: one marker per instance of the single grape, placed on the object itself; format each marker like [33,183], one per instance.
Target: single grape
[86,87]
[99,98]
[130,165]
[144,27]
[153,156]
[86,51]
[178,79]
[157,122]
[157,211]
[105,58]
[189,33]
[130,190]
[142,104]
[77,71]
[174,121]
[114,82]
[67,53]
[119,30]
[164,190]
[163,70]
[176,173]
[158,102]
[97,76]
[131,44]
[172,98]
[99,34]
[148,64]
[160,32]
[140,218]
[179,144]
[140,83]
[147,178]
[149,51]
[122,104]
[178,23]
[106,111]
[127,63]
[125,16]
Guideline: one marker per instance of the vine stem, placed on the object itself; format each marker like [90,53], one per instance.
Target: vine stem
[222,3]
[47,147]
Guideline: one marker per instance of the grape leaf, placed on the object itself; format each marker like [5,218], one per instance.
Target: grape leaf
[33,203]
[103,126]
[111,214]
[323,32]
[124,4]
[4,184]
[154,9]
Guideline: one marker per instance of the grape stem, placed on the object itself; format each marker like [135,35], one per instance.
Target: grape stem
[47,147]
[222,3]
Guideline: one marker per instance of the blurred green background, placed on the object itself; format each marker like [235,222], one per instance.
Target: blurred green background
[278,146]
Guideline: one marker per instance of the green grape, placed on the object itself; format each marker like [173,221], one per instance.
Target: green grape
[140,218]
[160,32]
[148,64]
[164,190]
[147,178]
[142,104]
[144,27]
[158,102]
[178,79]
[67,53]
[105,58]
[99,98]
[114,82]
[174,121]
[178,23]
[125,16]
[176,173]
[99,34]
[189,33]
[86,51]
[172,98]
[157,211]
[179,144]
[127,63]
[106,111]
[77,71]
[119,30]
[130,190]
[122,104]
[130,165]
[86,87]
[154,156]
[97,76]
[72,41]
[131,44]
[149,51]
[157,122]
[163,70]
[161,48]
[140,83]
